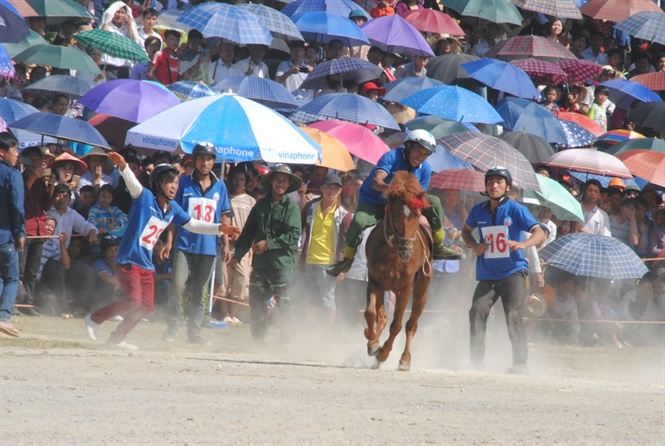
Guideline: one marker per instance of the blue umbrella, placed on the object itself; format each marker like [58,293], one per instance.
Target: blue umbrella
[502,76]
[62,127]
[395,35]
[322,27]
[341,8]
[645,25]
[348,68]
[453,102]
[521,115]
[72,86]
[13,28]
[591,255]
[11,111]
[6,65]
[228,22]
[264,91]
[278,23]
[605,180]
[576,135]
[624,92]
[187,90]
[444,160]
[406,86]
[348,107]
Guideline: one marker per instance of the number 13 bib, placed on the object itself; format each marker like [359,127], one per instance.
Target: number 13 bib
[495,239]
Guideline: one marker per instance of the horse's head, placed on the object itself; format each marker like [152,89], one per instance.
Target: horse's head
[406,201]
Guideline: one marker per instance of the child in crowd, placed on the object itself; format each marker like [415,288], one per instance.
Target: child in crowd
[149,19]
[165,66]
[551,95]
[602,107]
[140,70]
[108,219]
[87,198]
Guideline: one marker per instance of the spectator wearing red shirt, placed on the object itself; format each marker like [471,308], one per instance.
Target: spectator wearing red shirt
[165,67]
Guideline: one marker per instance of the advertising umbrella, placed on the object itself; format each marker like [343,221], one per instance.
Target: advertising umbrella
[113,44]
[244,131]
[62,127]
[348,68]
[264,91]
[395,35]
[13,28]
[576,135]
[32,39]
[69,58]
[186,90]
[591,255]
[334,154]
[322,27]
[349,107]
[228,22]
[278,23]
[579,70]
[431,21]
[460,179]
[566,9]
[617,10]
[554,196]
[74,87]
[533,147]
[453,102]
[502,76]
[589,161]
[624,92]
[58,11]
[653,81]
[438,127]
[359,140]
[340,8]
[448,68]
[521,115]
[649,26]
[586,122]
[650,115]
[522,47]
[541,72]
[485,151]
[129,99]
[655,144]
[647,164]
[497,11]
[406,86]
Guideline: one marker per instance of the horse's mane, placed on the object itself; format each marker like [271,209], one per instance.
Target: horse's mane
[406,187]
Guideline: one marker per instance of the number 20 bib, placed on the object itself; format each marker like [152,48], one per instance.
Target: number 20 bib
[495,239]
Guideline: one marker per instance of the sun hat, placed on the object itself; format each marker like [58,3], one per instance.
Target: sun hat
[80,167]
[296,181]
[369,86]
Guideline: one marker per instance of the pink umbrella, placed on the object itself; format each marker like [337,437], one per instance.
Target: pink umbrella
[359,140]
[431,21]
[590,161]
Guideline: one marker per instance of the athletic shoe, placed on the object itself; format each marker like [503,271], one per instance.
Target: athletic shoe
[91,327]
[122,346]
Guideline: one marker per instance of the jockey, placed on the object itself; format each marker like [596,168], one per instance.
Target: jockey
[412,157]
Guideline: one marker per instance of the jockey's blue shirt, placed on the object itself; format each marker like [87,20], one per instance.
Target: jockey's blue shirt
[391,163]
[208,206]
[511,218]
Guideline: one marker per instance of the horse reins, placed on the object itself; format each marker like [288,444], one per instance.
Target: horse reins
[406,243]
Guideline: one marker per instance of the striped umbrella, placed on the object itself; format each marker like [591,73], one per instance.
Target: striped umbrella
[460,179]
[278,23]
[653,81]
[647,164]
[522,47]
[228,22]
[590,161]
[586,122]
[579,70]
[645,25]
[566,9]
[576,135]
[617,10]
[541,72]
[613,137]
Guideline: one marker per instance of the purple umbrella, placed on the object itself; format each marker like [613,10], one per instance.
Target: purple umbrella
[129,99]
[394,34]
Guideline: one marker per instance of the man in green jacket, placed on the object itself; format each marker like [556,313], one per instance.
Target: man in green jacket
[272,232]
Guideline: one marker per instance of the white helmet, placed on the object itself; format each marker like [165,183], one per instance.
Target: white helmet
[422,137]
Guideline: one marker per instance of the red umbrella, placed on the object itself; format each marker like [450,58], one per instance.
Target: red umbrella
[584,121]
[646,164]
[653,81]
[523,47]
[566,9]
[579,70]
[460,179]
[541,72]
[617,10]
[431,21]
[24,8]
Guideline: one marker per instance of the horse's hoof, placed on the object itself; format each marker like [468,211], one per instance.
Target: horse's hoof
[376,365]
[404,366]
[373,350]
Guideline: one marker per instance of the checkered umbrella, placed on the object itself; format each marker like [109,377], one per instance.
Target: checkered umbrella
[523,47]
[647,164]
[579,70]
[541,72]
[24,8]
[349,69]
[74,87]
[228,22]
[576,135]
[591,255]
[650,115]
[617,10]
[348,107]
[278,23]
[186,90]
[264,91]
[645,25]
[113,44]
[460,179]
[653,81]
[566,9]
[590,161]
[485,151]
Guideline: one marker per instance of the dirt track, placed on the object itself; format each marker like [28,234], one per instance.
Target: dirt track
[58,388]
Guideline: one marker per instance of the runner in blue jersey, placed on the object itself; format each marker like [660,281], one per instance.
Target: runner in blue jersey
[501,268]
[203,197]
[418,146]
[151,212]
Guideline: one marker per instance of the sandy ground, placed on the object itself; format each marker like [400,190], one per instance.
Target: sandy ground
[57,387]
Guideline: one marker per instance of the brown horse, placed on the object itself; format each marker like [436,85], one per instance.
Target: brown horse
[399,258]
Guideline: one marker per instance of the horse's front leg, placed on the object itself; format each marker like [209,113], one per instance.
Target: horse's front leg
[420,287]
[401,299]
[374,299]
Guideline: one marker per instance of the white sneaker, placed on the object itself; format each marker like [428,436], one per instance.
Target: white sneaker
[91,327]
[122,346]
[117,318]
[236,321]
[228,320]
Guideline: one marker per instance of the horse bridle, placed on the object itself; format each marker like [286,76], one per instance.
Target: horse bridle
[404,244]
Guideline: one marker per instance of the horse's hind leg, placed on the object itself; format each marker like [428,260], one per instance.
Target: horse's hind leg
[420,287]
[402,298]
[374,299]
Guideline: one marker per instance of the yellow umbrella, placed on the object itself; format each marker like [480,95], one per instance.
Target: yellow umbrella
[335,154]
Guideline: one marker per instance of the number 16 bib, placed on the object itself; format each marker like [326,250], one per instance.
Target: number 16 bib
[495,239]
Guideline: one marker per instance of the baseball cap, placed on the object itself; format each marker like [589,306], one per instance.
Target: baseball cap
[331,179]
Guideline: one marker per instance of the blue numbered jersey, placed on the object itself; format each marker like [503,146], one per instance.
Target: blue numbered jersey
[517,218]
[391,163]
[207,207]
[146,223]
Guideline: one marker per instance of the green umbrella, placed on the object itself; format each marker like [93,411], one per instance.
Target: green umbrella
[438,127]
[113,44]
[655,144]
[33,39]
[557,198]
[66,57]
[57,11]
[497,11]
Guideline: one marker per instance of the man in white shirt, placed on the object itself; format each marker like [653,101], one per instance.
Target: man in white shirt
[118,19]
[596,220]
[223,67]
[95,175]
[292,73]
[593,52]
[253,65]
